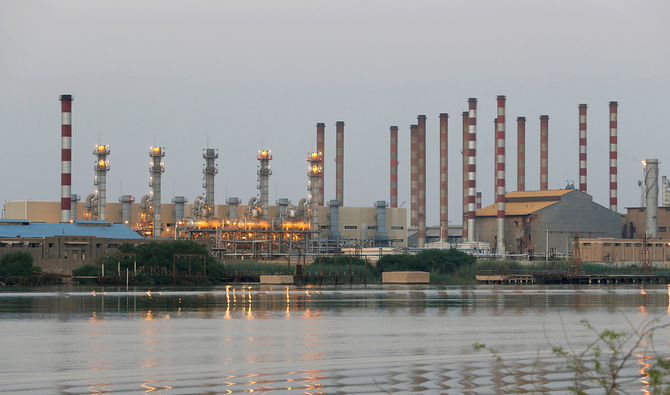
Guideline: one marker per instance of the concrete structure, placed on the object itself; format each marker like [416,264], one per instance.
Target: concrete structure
[544,152]
[582,147]
[444,173]
[651,196]
[613,154]
[405,278]
[534,218]
[472,166]
[414,175]
[500,174]
[394,167]
[277,279]
[635,223]
[421,121]
[66,157]
[339,162]
[464,153]
[434,235]
[321,148]
[521,154]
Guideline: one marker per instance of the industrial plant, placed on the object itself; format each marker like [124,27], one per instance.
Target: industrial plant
[519,223]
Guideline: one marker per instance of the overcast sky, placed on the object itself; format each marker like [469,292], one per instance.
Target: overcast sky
[244,75]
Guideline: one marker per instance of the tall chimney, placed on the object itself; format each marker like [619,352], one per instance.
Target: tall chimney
[472,166]
[126,209]
[74,200]
[210,155]
[582,147]
[613,155]
[66,157]
[394,166]
[414,175]
[478,201]
[495,159]
[339,163]
[179,202]
[233,205]
[521,154]
[315,168]
[156,170]
[101,169]
[444,176]
[465,155]
[544,152]
[500,175]
[651,190]
[333,215]
[320,147]
[264,173]
[421,235]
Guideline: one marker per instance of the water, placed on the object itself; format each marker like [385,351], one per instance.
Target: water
[242,339]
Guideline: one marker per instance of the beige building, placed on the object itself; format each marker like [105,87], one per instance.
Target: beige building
[635,223]
[624,251]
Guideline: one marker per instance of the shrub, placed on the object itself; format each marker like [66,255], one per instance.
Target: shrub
[18,263]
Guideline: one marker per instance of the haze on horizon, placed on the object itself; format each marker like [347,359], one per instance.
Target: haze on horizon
[239,76]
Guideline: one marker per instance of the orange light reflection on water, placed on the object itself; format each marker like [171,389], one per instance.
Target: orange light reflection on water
[642,360]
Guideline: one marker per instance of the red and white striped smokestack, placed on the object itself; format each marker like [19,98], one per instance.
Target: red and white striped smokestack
[582,147]
[465,175]
[478,200]
[66,158]
[339,163]
[421,232]
[544,152]
[320,147]
[521,154]
[444,176]
[613,155]
[394,167]
[500,175]
[414,175]
[495,159]
[472,166]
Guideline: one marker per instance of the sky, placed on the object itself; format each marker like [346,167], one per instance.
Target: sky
[240,76]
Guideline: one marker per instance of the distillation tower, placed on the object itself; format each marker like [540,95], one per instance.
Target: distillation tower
[315,160]
[264,173]
[101,168]
[156,169]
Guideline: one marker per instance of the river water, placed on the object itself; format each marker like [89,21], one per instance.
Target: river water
[313,340]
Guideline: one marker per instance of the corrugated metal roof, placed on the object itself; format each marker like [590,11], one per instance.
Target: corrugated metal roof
[16,228]
[515,208]
[531,194]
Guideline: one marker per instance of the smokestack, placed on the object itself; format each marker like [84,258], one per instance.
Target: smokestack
[156,170]
[179,202]
[381,236]
[233,205]
[495,159]
[126,209]
[414,175]
[613,155]
[421,235]
[315,162]
[465,175]
[66,157]
[444,176]
[478,200]
[521,154]
[500,175]
[582,147]
[394,166]
[74,199]
[651,190]
[101,169]
[339,163]
[210,170]
[333,215]
[264,173]
[544,152]
[472,166]
[320,147]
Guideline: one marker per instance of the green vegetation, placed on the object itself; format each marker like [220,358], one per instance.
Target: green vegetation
[18,263]
[155,262]
[600,365]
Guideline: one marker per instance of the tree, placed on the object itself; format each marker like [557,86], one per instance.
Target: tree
[19,263]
